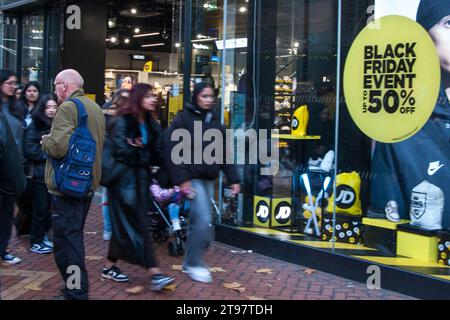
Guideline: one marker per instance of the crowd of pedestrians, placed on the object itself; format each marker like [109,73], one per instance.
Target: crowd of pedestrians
[57,149]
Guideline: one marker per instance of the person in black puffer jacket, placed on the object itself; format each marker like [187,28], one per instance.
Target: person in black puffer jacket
[40,125]
[136,137]
[197,179]
[13,117]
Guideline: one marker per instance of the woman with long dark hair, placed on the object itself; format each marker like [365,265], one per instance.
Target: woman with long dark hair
[14,115]
[136,145]
[40,125]
[197,179]
[14,118]
[29,99]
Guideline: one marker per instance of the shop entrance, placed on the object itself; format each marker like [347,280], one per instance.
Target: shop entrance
[143,44]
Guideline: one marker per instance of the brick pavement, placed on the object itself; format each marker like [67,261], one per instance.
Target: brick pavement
[37,277]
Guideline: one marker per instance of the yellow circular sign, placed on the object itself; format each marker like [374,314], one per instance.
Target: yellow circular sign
[392,79]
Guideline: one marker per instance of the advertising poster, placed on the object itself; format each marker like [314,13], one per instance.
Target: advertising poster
[398,96]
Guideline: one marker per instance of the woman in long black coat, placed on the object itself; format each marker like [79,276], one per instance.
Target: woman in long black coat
[136,145]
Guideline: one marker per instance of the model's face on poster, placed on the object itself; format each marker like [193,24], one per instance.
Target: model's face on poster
[440,33]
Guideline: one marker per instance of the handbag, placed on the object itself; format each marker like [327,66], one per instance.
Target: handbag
[111,168]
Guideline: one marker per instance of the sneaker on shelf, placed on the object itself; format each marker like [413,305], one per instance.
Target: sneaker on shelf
[327,162]
[114,273]
[47,241]
[160,281]
[392,211]
[40,248]
[200,274]
[107,235]
[9,259]
[176,225]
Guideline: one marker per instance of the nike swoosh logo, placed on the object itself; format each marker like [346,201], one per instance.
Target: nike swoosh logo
[432,169]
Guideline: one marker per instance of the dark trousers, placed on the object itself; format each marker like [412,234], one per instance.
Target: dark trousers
[68,219]
[7,206]
[41,221]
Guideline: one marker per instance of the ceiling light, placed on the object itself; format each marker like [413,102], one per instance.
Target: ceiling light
[177,45]
[206,6]
[137,30]
[242,9]
[133,11]
[146,35]
[204,40]
[127,40]
[296,45]
[113,39]
[152,45]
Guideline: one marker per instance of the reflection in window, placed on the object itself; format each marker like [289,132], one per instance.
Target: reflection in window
[33,48]
[9,42]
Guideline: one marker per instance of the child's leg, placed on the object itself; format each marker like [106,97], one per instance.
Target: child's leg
[107,227]
[174,213]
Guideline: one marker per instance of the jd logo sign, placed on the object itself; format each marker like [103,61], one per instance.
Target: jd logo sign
[283,212]
[346,196]
[73,21]
[262,211]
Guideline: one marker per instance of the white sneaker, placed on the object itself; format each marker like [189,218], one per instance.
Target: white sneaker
[47,241]
[9,259]
[176,225]
[392,211]
[327,163]
[199,274]
[107,235]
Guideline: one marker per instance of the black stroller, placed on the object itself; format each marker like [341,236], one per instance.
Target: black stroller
[162,228]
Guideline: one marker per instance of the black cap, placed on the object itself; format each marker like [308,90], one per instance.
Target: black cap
[432,11]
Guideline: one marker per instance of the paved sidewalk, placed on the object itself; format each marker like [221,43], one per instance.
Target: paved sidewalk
[37,276]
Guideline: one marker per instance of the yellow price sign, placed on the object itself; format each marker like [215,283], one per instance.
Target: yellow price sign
[392,79]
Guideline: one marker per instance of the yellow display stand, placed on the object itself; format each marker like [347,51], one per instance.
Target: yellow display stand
[415,243]
[381,234]
[383,223]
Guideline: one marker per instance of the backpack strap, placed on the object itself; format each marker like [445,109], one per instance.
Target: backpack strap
[82,114]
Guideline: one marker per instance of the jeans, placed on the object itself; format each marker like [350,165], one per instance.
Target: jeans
[7,206]
[107,227]
[68,218]
[174,211]
[200,217]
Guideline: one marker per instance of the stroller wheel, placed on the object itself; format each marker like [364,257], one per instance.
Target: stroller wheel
[172,249]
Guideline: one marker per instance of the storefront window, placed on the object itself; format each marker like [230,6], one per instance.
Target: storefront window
[364,177]
[9,41]
[33,48]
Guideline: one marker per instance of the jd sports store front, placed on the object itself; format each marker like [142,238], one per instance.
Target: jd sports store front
[382,150]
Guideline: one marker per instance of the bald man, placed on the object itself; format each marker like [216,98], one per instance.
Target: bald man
[69,214]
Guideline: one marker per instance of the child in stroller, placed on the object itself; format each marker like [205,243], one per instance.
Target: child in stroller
[173,202]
